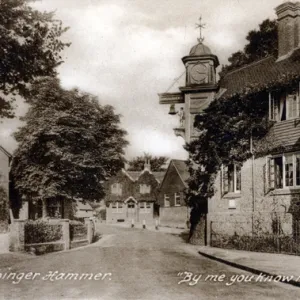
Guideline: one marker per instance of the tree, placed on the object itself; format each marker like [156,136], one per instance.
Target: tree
[69,146]
[30,47]
[157,162]
[261,43]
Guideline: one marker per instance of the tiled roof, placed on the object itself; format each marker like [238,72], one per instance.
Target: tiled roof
[135,175]
[264,72]
[182,169]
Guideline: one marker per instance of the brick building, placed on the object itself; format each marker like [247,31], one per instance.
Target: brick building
[132,196]
[173,211]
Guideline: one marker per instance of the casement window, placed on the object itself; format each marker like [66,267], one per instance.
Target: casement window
[231,179]
[284,105]
[117,207]
[283,171]
[116,189]
[145,207]
[166,200]
[145,189]
[177,199]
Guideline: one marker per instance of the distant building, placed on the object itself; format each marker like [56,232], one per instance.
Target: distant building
[83,210]
[131,196]
[173,211]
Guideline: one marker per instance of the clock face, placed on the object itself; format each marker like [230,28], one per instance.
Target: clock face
[198,73]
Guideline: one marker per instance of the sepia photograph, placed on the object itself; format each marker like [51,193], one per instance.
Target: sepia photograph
[149,150]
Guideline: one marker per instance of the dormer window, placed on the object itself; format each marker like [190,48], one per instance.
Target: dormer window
[145,189]
[116,189]
[284,105]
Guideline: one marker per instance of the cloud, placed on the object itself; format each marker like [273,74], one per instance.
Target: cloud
[126,52]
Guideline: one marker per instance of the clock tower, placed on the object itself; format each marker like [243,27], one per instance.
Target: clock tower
[199,90]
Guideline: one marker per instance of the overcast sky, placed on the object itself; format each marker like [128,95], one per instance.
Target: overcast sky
[128,51]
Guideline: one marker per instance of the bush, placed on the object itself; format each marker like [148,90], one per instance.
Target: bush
[78,230]
[40,231]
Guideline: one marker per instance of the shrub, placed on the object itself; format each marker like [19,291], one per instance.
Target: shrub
[78,230]
[40,231]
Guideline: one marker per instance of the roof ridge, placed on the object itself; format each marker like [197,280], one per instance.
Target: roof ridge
[249,65]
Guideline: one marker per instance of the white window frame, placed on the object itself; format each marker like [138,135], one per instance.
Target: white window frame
[166,200]
[118,209]
[276,102]
[147,207]
[116,189]
[177,197]
[145,189]
[225,169]
[294,161]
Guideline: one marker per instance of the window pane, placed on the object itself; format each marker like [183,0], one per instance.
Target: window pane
[231,178]
[142,204]
[278,172]
[298,169]
[238,178]
[289,171]
[148,205]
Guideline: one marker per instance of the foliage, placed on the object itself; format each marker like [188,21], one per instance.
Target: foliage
[261,43]
[69,146]
[3,205]
[226,127]
[30,47]
[157,162]
[40,231]
[260,243]
[78,230]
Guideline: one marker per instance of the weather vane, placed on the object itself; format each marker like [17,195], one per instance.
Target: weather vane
[200,26]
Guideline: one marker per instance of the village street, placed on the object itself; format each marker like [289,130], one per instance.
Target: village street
[143,265]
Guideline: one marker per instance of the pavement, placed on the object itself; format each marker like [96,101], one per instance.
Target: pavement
[284,267]
[135,264]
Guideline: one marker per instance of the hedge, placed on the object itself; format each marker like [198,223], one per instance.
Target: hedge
[40,231]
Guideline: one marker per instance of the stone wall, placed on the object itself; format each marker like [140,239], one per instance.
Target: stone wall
[255,209]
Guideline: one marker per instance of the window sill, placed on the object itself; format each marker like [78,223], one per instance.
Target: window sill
[177,205]
[286,191]
[232,195]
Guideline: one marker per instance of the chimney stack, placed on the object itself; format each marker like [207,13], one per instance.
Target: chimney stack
[288,15]
[147,165]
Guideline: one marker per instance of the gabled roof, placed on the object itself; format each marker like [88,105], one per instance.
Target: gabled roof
[5,152]
[83,206]
[181,168]
[135,175]
[262,72]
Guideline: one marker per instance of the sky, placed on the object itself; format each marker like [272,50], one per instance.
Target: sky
[128,51]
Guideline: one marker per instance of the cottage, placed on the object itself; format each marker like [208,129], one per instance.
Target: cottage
[173,211]
[131,196]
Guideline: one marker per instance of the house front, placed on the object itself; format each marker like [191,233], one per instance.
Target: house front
[173,211]
[261,197]
[131,196]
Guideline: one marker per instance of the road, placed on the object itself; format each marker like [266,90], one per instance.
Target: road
[134,264]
